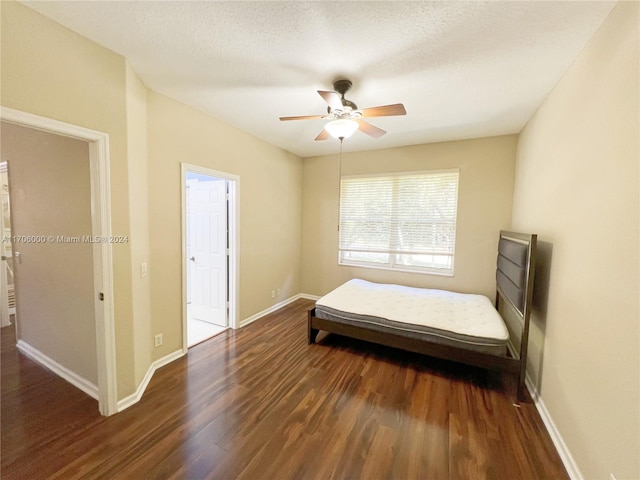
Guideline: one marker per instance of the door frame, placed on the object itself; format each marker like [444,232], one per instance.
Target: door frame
[99,168]
[5,314]
[234,245]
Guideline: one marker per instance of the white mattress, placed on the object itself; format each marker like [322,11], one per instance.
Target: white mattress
[465,317]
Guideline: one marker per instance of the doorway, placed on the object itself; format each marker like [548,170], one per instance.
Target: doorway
[209,201]
[102,271]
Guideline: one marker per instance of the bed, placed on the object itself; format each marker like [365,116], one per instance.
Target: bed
[464,328]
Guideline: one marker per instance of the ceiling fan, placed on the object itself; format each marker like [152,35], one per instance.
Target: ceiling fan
[345,116]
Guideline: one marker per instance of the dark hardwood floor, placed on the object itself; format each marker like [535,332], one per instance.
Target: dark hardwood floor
[259,403]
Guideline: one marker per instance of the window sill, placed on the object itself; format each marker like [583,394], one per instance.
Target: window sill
[394,269]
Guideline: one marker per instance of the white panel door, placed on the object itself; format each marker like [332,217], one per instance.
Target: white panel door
[207,252]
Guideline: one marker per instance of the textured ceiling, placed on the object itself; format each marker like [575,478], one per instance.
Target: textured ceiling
[462,69]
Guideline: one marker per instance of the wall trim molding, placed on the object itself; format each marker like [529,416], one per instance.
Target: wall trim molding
[275,307]
[563,450]
[47,362]
[85,385]
[309,296]
[137,395]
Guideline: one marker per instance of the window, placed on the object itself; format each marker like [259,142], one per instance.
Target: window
[399,221]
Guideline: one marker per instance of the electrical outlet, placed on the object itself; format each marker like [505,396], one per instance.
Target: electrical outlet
[273,294]
[278,293]
[143,269]
[158,340]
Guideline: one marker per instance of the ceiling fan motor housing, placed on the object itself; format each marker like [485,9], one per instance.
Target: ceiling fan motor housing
[343,86]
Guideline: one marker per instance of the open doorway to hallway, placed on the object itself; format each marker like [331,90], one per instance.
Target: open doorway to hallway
[48,263]
[209,200]
[99,350]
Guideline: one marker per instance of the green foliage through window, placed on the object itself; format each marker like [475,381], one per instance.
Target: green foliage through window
[402,221]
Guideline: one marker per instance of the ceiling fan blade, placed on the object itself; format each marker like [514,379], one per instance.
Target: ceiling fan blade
[305,117]
[370,130]
[384,111]
[332,98]
[323,135]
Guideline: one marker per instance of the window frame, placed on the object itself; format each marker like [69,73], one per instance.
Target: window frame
[393,263]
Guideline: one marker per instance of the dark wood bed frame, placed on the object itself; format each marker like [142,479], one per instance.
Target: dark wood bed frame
[514,285]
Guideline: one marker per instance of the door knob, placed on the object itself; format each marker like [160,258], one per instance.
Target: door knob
[193,259]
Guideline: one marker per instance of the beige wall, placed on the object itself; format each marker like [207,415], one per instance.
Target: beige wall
[576,185]
[142,339]
[51,196]
[270,211]
[51,71]
[485,194]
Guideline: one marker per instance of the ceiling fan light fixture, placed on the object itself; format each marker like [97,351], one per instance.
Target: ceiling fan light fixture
[341,128]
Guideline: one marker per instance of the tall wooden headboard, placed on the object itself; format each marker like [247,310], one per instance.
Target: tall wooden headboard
[514,284]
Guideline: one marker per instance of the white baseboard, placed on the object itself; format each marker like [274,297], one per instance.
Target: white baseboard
[275,307]
[563,450]
[308,296]
[565,455]
[137,395]
[73,378]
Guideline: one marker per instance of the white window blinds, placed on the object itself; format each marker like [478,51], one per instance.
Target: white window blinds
[400,221]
